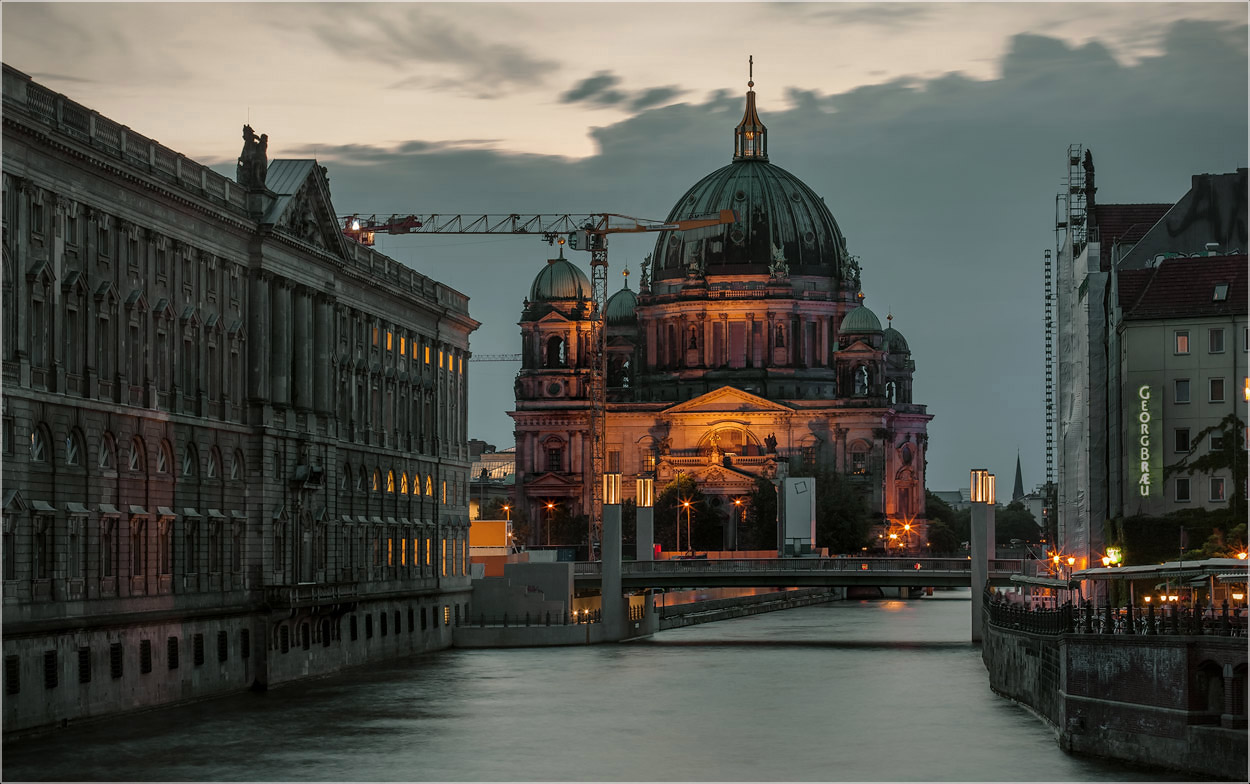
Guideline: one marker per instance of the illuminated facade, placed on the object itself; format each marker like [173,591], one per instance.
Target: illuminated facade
[746,346]
[235,444]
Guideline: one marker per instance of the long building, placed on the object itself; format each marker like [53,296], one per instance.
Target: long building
[235,446]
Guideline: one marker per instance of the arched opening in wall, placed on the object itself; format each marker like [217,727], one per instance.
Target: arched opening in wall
[891,391]
[305,636]
[556,352]
[284,638]
[1239,690]
[1208,689]
[905,494]
[554,448]
[861,381]
[325,632]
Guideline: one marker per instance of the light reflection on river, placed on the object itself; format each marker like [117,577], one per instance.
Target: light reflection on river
[851,691]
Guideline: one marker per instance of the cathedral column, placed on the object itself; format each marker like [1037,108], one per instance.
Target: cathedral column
[280,370]
[302,387]
[259,335]
[723,359]
[705,327]
[749,342]
[770,338]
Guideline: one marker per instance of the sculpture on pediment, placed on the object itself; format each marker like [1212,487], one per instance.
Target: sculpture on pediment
[254,160]
[778,269]
[770,443]
[644,278]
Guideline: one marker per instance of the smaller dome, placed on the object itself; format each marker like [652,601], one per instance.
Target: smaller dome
[621,309]
[859,321]
[560,279]
[894,342]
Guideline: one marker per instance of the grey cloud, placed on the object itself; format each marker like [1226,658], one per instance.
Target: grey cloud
[654,97]
[602,89]
[876,14]
[590,87]
[945,188]
[414,38]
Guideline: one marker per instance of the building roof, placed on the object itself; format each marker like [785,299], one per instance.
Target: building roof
[859,321]
[559,280]
[1185,287]
[1124,224]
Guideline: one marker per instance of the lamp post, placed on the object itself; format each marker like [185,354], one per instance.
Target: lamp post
[982,536]
[507,510]
[644,520]
[551,507]
[733,536]
[689,543]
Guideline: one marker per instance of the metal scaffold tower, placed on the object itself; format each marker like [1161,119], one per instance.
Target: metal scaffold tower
[1048,322]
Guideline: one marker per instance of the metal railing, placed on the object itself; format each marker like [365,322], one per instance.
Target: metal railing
[1151,619]
[781,566]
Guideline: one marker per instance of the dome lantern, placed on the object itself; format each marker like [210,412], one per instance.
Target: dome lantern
[751,137]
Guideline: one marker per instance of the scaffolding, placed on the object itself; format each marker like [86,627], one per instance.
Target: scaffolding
[1048,321]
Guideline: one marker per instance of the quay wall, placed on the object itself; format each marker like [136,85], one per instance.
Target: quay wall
[1170,701]
[691,613]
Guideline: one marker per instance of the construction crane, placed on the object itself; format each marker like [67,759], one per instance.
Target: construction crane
[495,358]
[586,232]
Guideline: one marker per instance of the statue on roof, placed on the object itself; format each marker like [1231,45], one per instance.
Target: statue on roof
[644,277]
[253,161]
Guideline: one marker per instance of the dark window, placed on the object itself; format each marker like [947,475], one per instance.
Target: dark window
[1182,488]
[369,626]
[411,623]
[424,624]
[12,675]
[197,649]
[1182,440]
[145,656]
[325,632]
[305,636]
[223,647]
[553,458]
[245,643]
[382,617]
[115,660]
[84,665]
[355,632]
[284,638]
[397,621]
[171,652]
[49,669]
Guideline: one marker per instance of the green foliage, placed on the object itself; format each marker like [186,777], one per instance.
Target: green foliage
[705,523]
[1230,456]
[942,539]
[842,516]
[758,530]
[1015,522]
[1149,539]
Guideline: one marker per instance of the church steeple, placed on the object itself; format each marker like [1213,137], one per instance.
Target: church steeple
[1017,492]
[751,137]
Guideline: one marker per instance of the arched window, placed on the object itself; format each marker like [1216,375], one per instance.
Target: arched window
[555,352]
[859,458]
[362,477]
[106,456]
[345,480]
[136,462]
[429,484]
[236,465]
[39,445]
[403,483]
[891,391]
[164,457]
[390,481]
[861,381]
[377,481]
[73,448]
[210,469]
[190,460]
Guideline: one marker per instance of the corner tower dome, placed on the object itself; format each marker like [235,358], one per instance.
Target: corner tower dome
[860,321]
[559,280]
[779,219]
[621,309]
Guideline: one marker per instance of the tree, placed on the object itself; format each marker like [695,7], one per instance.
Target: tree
[705,524]
[1015,522]
[1225,453]
[759,520]
[942,539]
[842,516]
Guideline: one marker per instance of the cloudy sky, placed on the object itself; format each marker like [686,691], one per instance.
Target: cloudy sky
[937,134]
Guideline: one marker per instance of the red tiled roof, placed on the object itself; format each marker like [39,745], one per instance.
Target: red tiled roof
[1184,287]
[1126,224]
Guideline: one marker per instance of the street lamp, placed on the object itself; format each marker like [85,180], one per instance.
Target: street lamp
[551,507]
[689,543]
[507,510]
[739,523]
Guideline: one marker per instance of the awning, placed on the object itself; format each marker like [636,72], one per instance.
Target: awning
[42,506]
[108,510]
[237,515]
[75,508]
[1233,577]
[1045,582]
[188,512]
[377,520]
[165,511]
[135,509]
[217,514]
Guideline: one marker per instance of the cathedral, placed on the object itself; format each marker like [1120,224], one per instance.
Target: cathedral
[747,347]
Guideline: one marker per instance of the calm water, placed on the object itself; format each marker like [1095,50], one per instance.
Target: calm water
[852,691]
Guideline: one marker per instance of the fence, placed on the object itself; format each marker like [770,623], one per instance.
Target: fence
[1151,619]
[571,618]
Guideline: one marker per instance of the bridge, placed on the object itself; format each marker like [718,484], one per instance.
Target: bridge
[797,572]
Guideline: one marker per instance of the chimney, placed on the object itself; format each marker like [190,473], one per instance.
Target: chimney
[1213,248]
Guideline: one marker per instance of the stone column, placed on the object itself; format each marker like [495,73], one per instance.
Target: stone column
[280,342]
[982,553]
[748,341]
[611,601]
[302,388]
[259,337]
[646,533]
[323,332]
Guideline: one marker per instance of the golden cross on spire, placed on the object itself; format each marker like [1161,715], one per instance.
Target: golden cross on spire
[750,70]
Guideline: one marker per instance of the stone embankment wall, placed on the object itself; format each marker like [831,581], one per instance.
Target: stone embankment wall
[678,615]
[1174,701]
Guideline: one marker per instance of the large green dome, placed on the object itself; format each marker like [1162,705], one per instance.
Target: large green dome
[894,342]
[779,219]
[859,321]
[621,309]
[559,280]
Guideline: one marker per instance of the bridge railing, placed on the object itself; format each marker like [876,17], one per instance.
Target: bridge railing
[794,565]
[1151,619]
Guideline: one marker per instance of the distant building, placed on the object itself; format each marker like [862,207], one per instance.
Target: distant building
[235,446]
[1107,341]
[746,346]
[492,477]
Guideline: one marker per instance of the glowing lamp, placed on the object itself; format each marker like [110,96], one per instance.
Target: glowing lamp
[611,488]
[1239,596]
[644,492]
[1242,555]
[1071,560]
[1106,561]
[1147,599]
[1115,555]
[982,485]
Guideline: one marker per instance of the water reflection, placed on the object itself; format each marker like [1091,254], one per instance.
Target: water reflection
[852,691]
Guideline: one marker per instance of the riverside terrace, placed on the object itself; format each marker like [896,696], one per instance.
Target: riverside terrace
[798,572]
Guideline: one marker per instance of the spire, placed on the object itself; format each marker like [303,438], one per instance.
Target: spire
[750,137]
[1017,492]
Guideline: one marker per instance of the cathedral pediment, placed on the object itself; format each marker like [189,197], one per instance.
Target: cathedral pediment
[551,482]
[554,317]
[858,347]
[302,208]
[727,399]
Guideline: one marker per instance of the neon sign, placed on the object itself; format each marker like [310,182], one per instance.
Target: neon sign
[1146,454]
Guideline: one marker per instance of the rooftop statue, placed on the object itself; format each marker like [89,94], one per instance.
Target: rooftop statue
[253,161]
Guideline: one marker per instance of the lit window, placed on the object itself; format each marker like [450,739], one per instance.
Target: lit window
[375,336]
[1182,391]
[427,355]
[1182,342]
[403,346]
[403,483]
[429,485]
[1217,488]
[428,550]
[440,359]
[390,339]
[377,480]
[444,558]
[462,366]
[1182,489]
[1217,390]
[390,481]
[1215,341]
[446,615]
[444,491]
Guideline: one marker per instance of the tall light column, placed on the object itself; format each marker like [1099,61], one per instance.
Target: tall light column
[645,520]
[982,541]
[611,601]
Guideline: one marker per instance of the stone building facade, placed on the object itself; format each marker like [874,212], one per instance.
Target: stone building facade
[235,448]
[746,346]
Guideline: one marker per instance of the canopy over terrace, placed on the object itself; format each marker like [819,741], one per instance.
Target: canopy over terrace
[1224,578]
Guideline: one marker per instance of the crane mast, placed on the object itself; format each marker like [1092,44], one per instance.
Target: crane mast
[588,232]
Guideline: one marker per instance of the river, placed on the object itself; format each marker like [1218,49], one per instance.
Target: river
[886,690]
